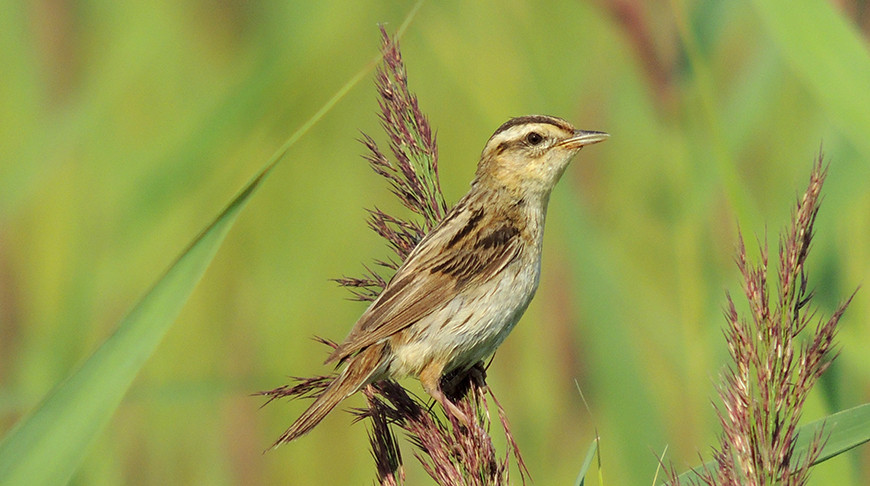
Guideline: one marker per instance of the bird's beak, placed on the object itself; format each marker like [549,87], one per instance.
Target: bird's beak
[582,138]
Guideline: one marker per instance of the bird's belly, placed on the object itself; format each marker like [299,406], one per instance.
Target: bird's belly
[470,327]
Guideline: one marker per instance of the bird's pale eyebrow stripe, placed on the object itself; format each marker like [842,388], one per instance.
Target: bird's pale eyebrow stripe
[533,119]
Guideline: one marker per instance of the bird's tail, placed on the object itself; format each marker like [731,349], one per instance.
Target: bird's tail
[358,372]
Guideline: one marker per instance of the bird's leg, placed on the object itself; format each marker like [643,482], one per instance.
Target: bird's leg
[458,383]
[430,378]
[477,373]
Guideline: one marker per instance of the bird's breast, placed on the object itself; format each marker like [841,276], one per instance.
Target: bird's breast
[472,325]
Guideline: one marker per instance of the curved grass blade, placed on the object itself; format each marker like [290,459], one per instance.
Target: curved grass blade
[48,446]
[843,430]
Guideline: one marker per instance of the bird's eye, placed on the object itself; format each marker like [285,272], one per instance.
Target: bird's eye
[534,138]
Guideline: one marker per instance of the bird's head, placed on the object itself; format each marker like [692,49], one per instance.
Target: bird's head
[528,154]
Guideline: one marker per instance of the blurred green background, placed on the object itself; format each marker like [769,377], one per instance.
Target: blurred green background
[125,127]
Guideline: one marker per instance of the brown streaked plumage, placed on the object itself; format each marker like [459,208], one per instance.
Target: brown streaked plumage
[466,284]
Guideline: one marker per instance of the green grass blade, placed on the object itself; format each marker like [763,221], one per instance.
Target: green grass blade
[581,477]
[829,55]
[843,430]
[48,446]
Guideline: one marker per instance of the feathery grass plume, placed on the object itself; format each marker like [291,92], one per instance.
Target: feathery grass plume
[385,445]
[451,452]
[774,368]
[413,177]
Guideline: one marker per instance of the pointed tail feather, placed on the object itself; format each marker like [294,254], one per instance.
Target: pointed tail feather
[357,373]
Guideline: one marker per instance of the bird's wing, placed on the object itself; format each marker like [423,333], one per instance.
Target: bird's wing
[464,250]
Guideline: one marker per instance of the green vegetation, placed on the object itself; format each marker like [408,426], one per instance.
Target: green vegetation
[127,129]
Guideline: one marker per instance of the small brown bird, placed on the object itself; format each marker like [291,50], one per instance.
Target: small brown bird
[466,284]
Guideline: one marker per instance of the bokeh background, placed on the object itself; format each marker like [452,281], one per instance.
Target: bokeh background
[126,126]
